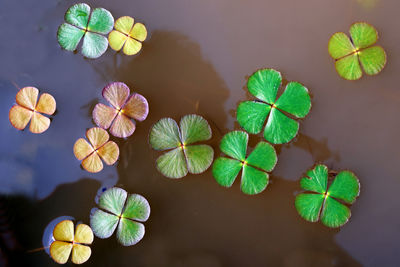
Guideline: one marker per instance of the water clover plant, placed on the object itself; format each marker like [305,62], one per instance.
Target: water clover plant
[127,35]
[97,149]
[119,211]
[350,52]
[328,203]
[80,23]
[67,242]
[254,168]
[280,115]
[183,156]
[118,117]
[28,108]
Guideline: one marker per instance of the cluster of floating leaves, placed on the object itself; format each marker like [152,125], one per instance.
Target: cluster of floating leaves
[93,25]
[117,211]
[329,204]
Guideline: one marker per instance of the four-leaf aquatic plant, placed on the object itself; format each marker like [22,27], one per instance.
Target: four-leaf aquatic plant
[127,36]
[349,53]
[67,242]
[183,156]
[28,108]
[81,22]
[122,212]
[254,168]
[98,147]
[327,204]
[118,117]
[281,126]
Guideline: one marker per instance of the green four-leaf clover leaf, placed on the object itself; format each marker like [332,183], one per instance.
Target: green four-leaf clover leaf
[349,53]
[281,126]
[91,26]
[254,168]
[327,204]
[183,156]
[119,211]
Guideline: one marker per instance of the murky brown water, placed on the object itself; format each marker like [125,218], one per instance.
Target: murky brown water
[196,60]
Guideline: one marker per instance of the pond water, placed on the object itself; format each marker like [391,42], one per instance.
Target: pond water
[196,60]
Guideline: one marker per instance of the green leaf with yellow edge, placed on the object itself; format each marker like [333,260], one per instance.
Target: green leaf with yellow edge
[327,203]
[127,36]
[280,127]
[348,53]
[68,241]
[254,168]
[131,212]
[91,26]
[183,157]
[372,59]
[348,67]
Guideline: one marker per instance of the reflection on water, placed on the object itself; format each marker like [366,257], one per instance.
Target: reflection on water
[195,61]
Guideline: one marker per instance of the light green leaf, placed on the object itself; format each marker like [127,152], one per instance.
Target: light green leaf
[295,100]
[173,164]
[199,158]
[101,21]
[94,45]
[129,232]
[113,200]
[225,170]
[340,45]
[102,223]
[78,15]
[309,206]
[253,180]
[345,187]
[317,181]
[263,156]
[280,129]
[349,67]
[373,59]
[363,34]
[264,84]
[137,208]
[251,115]
[165,134]
[68,36]
[334,214]
[194,128]
[234,144]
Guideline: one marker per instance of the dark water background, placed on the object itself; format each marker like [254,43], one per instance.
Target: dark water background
[196,60]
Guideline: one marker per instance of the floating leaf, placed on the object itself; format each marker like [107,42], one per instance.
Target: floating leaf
[280,114]
[127,36]
[327,204]
[91,26]
[118,117]
[349,53]
[67,242]
[98,148]
[28,108]
[254,168]
[119,211]
[183,156]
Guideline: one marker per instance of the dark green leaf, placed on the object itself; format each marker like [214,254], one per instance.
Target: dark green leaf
[225,170]
[251,115]
[234,144]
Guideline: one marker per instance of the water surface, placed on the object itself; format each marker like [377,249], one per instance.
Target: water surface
[196,60]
